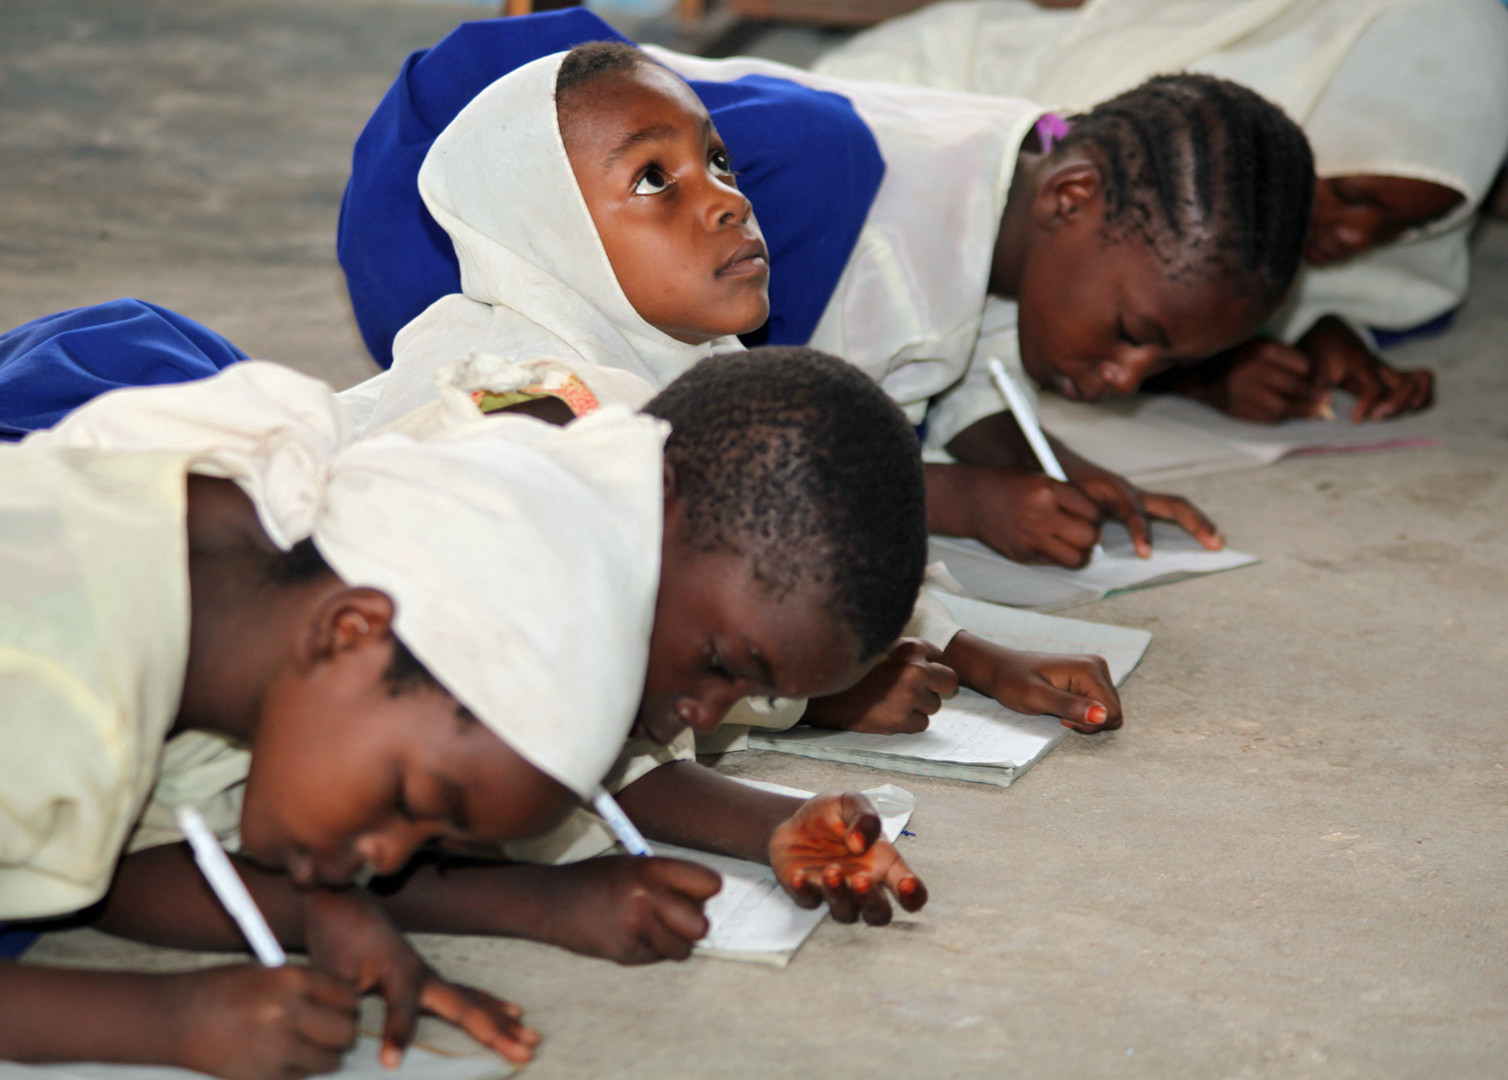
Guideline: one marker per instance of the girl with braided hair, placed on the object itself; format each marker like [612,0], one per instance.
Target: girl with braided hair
[1401,99]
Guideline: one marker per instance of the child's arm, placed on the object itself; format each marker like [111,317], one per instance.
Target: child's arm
[247,1022]
[1266,381]
[1078,689]
[896,696]
[827,847]
[159,896]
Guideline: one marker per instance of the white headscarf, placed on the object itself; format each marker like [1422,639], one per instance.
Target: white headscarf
[522,559]
[1415,88]
[535,279]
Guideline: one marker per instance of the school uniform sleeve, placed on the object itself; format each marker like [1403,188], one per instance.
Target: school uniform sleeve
[207,770]
[582,835]
[94,620]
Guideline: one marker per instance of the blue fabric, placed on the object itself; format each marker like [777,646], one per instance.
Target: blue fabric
[808,164]
[54,364]
[15,942]
[1438,325]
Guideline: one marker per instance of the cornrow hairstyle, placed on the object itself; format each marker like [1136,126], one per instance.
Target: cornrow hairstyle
[801,463]
[1207,172]
[587,63]
[303,563]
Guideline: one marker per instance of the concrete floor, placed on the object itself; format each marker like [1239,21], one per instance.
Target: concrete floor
[1290,863]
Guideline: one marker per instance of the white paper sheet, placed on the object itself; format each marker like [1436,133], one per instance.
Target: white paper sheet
[1175,556]
[1158,437]
[752,918]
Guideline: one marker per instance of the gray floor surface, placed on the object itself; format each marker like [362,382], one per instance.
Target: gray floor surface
[1290,863]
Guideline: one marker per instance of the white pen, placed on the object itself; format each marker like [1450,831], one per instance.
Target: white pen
[609,811]
[1020,405]
[228,886]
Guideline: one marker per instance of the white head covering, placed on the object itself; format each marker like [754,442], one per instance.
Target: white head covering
[535,279]
[523,559]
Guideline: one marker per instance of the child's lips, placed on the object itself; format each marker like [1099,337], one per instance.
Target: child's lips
[749,260]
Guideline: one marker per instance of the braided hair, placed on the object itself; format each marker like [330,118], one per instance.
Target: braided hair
[1208,173]
[800,462]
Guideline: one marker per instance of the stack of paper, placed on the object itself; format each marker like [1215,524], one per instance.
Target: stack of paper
[360,1064]
[1175,556]
[1148,438]
[972,737]
[752,918]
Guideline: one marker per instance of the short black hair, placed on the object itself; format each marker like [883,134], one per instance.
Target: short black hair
[303,563]
[587,63]
[1208,172]
[799,461]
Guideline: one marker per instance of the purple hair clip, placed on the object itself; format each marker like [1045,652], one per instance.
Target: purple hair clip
[1050,128]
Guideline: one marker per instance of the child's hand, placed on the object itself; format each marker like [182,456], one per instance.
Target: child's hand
[898,694]
[256,1023]
[1136,509]
[1265,381]
[1077,689]
[831,849]
[1026,516]
[347,935]
[626,908]
[1344,360]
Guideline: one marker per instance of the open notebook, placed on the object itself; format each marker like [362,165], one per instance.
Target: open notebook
[1148,438]
[752,918]
[360,1064]
[972,737]
[1175,556]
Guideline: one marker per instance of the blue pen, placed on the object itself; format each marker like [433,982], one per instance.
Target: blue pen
[609,811]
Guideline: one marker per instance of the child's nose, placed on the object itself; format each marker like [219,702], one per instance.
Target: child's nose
[1128,370]
[389,851]
[726,205]
[704,713]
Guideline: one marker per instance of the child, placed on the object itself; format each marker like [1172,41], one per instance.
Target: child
[767,610]
[908,310]
[252,579]
[397,261]
[1405,151]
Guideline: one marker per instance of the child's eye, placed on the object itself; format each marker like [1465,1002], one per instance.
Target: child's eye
[1125,335]
[652,182]
[718,667]
[718,162]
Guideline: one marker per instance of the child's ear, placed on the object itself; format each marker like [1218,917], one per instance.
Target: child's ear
[350,618]
[1069,192]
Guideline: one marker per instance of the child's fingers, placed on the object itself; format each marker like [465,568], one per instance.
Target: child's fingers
[402,997]
[858,820]
[835,890]
[690,879]
[906,886]
[683,917]
[1186,515]
[493,1023]
[329,990]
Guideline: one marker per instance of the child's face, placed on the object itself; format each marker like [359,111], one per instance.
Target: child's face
[720,635]
[1098,316]
[346,775]
[1353,214]
[680,236]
